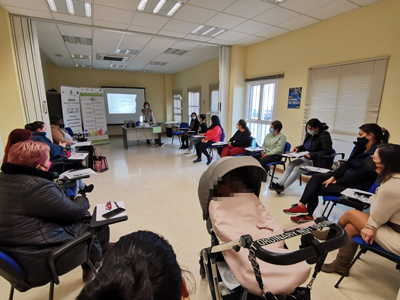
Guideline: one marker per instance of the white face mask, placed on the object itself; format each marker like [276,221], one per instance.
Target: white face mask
[237,127]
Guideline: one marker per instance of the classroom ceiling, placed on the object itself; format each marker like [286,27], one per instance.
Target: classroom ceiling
[117,24]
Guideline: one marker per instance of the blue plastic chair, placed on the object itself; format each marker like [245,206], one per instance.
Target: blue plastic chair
[249,145]
[281,162]
[11,271]
[339,200]
[182,128]
[375,248]
[210,148]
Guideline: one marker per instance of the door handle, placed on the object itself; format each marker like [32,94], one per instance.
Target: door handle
[44,107]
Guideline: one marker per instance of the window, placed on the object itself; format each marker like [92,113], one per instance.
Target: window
[214,99]
[193,101]
[177,98]
[345,97]
[261,98]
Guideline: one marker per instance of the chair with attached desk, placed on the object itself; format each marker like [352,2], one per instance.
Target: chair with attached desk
[210,148]
[281,162]
[182,128]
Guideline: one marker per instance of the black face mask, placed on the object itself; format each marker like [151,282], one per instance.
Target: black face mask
[362,141]
[62,125]
[370,164]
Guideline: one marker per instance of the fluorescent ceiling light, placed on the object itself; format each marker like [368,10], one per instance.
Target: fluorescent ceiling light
[159,6]
[88,9]
[89,42]
[70,7]
[65,39]
[142,5]
[208,31]
[52,5]
[81,56]
[78,40]
[127,51]
[219,32]
[117,66]
[90,57]
[174,8]
[111,65]
[76,65]
[275,1]
[73,56]
[198,29]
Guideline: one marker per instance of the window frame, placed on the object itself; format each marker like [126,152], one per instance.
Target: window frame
[193,90]
[176,93]
[212,88]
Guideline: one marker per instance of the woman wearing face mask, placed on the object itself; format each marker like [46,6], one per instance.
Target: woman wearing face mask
[318,143]
[36,216]
[202,129]
[148,117]
[194,126]
[383,224]
[238,141]
[355,173]
[273,146]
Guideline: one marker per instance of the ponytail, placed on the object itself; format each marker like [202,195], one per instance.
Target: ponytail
[385,135]
[381,135]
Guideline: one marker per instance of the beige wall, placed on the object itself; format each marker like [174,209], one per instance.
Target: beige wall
[46,76]
[11,113]
[368,32]
[198,76]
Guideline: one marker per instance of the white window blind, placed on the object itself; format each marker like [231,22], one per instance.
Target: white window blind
[345,97]
[214,99]
[177,97]
[193,101]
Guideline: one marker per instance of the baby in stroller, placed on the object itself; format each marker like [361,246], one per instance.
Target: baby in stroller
[242,230]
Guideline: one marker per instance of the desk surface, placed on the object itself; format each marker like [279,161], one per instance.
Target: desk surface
[94,223]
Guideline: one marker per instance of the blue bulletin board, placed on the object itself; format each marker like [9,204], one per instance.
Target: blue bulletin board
[294,97]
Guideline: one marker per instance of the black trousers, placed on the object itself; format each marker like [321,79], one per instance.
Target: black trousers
[201,148]
[315,188]
[267,160]
[89,149]
[103,237]
[185,138]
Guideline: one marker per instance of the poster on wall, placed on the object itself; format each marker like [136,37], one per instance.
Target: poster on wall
[94,115]
[294,97]
[71,109]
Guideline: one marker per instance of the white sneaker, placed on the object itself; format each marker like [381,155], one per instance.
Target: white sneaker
[188,151]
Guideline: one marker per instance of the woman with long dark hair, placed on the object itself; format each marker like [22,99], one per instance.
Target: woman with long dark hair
[202,129]
[382,225]
[238,141]
[194,128]
[213,135]
[355,173]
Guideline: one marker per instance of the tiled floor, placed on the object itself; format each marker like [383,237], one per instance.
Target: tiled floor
[159,188]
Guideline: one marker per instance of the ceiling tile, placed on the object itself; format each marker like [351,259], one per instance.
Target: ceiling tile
[134,41]
[28,12]
[299,22]
[44,28]
[79,49]
[166,57]
[72,19]
[105,42]
[171,33]
[122,4]
[107,24]
[251,27]
[185,45]
[220,42]
[364,2]
[251,40]
[332,9]
[75,31]
[86,62]
[232,36]
[194,14]
[160,44]
[206,49]
[197,38]
[149,20]
[272,32]
[304,6]
[143,29]
[180,26]
[27,4]
[248,8]
[225,21]
[136,65]
[276,16]
[212,4]
[110,14]
[100,64]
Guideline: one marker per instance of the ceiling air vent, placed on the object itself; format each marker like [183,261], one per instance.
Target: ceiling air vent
[127,51]
[112,57]
[175,51]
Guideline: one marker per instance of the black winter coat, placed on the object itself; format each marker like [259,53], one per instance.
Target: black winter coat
[321,145]
[35,218]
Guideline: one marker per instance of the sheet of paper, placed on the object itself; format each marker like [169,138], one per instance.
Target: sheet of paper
[315,169]
[80,173]
[295,155]
[256,149]
[78,156]
[101,210]
[227,276]
[198,136]
[81,144]
[220,144]
[351,193]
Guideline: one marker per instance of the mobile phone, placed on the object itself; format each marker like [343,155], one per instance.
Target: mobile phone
[361,194]
[113,212]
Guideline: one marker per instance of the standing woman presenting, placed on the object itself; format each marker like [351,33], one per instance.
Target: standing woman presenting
[148,117]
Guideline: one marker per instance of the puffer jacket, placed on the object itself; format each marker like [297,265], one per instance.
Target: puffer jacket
[55,150]
[35,218]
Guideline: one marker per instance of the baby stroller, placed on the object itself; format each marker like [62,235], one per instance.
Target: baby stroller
[248,257]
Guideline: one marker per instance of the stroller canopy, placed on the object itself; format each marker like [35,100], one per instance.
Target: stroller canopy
[220,168]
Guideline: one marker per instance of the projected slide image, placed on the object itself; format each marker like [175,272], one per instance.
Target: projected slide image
[121,103]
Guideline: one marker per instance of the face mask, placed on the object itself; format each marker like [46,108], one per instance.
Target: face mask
[271,131]
[62,125]
[311,132]
[45,133]
[237,127]
[48,167]
[147,106]
[193,118]
[370,164]
[362,141]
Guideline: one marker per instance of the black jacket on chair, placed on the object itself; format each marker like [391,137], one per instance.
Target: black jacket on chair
[35,218]
[321,146]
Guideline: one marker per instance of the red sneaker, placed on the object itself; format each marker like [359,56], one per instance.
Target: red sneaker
[301,219]
[295,209]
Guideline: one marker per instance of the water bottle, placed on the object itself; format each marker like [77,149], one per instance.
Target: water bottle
[253,143]
[72,148]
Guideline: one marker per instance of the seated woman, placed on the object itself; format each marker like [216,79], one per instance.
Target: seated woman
[203,129]
[239,141]
[355,173]
[383,224]
[141,265]
[213,135]
[15,136]
[273,146]
[318,143]
[194,126]
[36,216]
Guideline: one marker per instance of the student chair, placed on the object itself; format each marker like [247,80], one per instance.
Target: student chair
[14,273]
[248,145]
[79,137]
[182,128]
[281,162]
[375,248]
[348,202]
[210,148]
